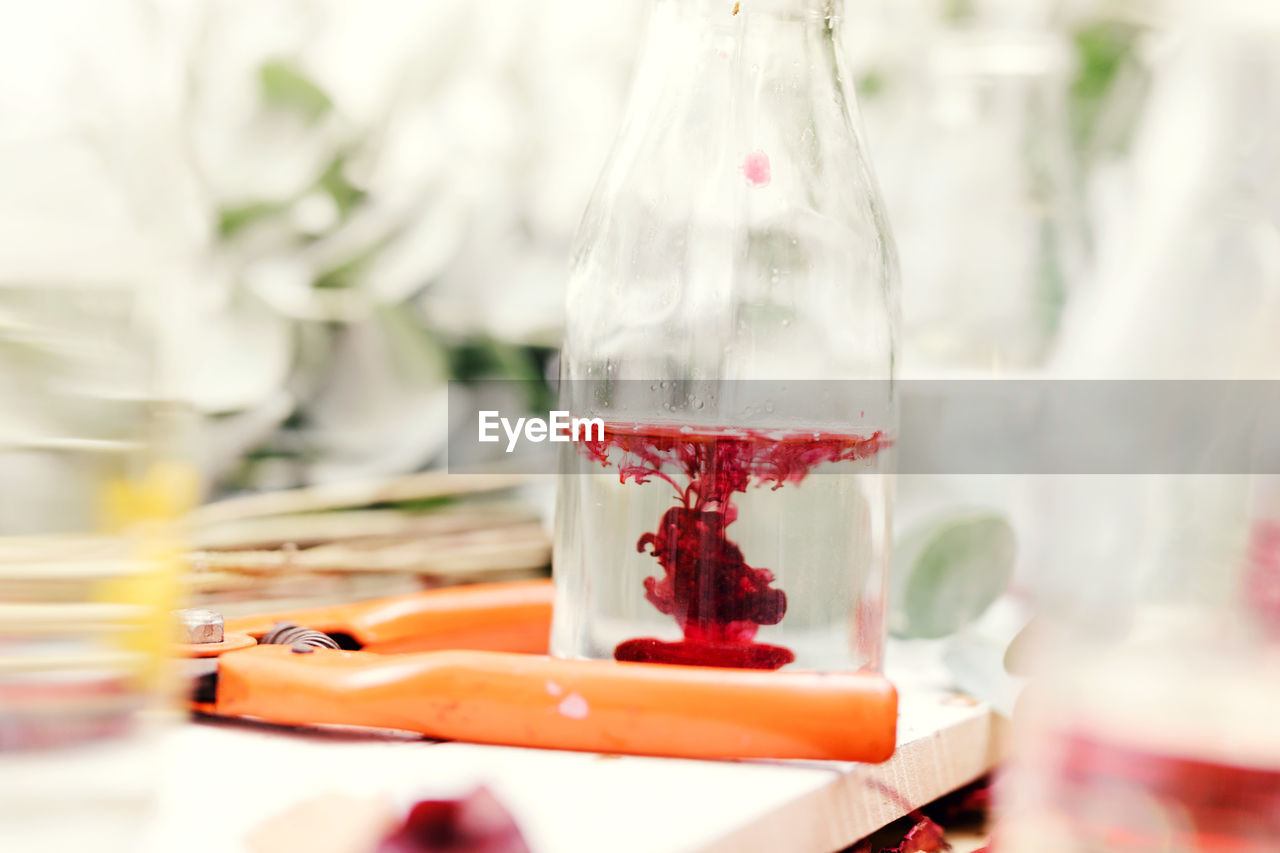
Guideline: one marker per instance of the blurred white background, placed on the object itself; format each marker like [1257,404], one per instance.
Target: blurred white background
[324,209]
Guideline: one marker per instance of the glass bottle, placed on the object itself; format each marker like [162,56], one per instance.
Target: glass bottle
[732,322]
[1151,722]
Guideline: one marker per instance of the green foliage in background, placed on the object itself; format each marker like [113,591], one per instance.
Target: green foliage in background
[1107,71]
[419,353]
[948,571]
[284,86]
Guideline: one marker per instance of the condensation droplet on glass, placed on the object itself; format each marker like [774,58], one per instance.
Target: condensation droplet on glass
[768,406]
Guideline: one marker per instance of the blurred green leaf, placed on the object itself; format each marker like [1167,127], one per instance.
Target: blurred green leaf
[947,573]
[419,355]
[1104,49]
[1051,282]
[233,220]
[347,273]
[285,86]
[333,180]
[958,10]
[417,504]
[871,84]
[484,357]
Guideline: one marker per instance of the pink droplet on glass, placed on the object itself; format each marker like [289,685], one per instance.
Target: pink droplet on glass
[755,166]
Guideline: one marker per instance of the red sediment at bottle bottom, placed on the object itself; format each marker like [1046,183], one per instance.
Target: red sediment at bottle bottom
[718,600]
[685,653]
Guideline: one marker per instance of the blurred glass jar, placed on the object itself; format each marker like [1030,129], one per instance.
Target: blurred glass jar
[1152,722]
[89,477]
[735,250]
[1149,723]
[88,567]
[89,488]
[969,128]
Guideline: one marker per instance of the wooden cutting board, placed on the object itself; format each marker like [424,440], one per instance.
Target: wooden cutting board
[570,802]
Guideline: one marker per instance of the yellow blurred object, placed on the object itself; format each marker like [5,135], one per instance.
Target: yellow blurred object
[145,510]
[167,491]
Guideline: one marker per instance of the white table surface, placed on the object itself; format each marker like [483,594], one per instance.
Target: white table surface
[223,779]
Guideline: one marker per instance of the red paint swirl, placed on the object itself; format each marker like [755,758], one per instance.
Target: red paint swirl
[717,598]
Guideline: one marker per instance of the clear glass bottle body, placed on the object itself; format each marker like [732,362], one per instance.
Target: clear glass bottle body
[734,253]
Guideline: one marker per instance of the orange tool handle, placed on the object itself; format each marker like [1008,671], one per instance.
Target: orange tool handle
[506,617]
[597,706]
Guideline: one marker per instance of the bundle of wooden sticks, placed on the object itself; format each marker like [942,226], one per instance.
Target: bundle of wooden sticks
[349,541]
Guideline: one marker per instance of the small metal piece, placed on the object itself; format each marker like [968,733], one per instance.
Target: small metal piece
[199,627]
[301,648]
[289,634]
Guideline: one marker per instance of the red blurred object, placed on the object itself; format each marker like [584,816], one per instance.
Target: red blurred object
[925,837]
[477,823]
[970,803]
[61,709]
[1263,578]
[1219,807]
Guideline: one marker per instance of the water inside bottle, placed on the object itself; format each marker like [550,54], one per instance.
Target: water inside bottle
[726,547]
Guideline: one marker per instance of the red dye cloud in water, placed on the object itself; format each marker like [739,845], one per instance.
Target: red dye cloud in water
[717,598]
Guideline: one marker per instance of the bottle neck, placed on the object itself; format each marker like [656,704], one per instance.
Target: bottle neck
[748,18]
[736,199]
[737,60]
[745,10]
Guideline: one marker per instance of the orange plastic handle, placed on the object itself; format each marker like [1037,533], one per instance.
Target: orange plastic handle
[598,706]
[506,617]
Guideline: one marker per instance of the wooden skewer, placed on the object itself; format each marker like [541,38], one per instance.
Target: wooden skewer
[331,496]
[516,546]
[304,531]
